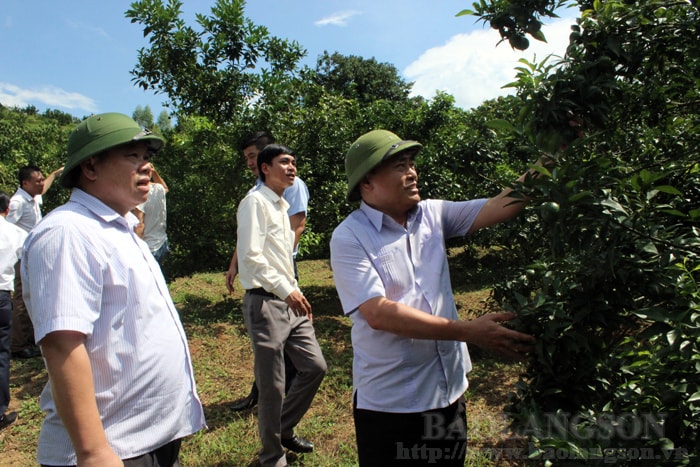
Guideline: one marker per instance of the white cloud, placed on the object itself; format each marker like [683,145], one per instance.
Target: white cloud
[49,96]
[337,19]
[472,69]
[87,28]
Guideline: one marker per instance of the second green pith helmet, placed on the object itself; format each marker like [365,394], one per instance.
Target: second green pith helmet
[368,151]
[99,133]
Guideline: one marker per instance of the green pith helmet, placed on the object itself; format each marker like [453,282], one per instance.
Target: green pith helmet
[98,133]
[368,151]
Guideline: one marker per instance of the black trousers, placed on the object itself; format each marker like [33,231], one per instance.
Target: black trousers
[5,343]
[436,437]
[167,455]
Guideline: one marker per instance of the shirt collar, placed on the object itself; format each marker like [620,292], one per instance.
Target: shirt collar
[376,217]
[272,196]
[25,195]
[100,209]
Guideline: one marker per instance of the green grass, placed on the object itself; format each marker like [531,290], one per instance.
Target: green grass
[223,361]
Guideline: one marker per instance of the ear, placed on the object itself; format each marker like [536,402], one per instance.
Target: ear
[365,184]
[88,168]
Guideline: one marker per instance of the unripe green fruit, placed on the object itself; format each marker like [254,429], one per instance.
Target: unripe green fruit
[549,211]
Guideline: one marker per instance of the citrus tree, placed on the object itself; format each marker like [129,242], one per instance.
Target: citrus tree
[609,280]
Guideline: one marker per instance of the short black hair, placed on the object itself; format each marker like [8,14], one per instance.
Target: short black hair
[4,202]
[259,139]
[25,173]
[268,153]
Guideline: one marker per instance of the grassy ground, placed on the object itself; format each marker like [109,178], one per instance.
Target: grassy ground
[223,364]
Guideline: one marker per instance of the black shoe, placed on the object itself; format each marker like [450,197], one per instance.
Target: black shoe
[7,420]
[297,444]
[29,352]
[249,402]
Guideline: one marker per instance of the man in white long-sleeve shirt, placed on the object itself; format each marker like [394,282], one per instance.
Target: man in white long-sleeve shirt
[276,313]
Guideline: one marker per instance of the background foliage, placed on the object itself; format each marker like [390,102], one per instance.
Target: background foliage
[602,267]
[28,137]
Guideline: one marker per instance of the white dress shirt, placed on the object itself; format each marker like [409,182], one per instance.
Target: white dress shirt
[265,243]
[297,196]
[25,210]
[373,256]
[85,270]
[11,240]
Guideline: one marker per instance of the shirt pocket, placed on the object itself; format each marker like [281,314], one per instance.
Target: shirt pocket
[396,271]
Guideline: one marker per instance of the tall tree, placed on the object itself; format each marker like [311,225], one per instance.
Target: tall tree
[361,79]
[164,122]
[143,116]
[215,71]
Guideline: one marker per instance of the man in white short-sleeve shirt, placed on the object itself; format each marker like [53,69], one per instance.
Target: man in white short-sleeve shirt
[11,241]
[121,387]
[153,218]
[390,268]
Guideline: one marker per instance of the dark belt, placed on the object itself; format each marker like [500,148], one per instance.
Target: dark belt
[262,292]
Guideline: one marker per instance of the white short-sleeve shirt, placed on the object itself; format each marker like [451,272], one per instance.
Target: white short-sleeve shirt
[84,269]
[373,256]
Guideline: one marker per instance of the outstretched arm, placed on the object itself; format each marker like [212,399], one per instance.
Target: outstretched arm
[485,331]
[50,179]
[503,206]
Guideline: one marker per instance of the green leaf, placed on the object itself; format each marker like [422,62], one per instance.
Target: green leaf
[668,189]
[580,195]
[672,336]
[652,314]
[466,13]
[501,125]
[539,35]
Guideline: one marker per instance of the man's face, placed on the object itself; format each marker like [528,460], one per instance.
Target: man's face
[35,184]
[280,174]
[121,178]
[393,186]
[251,158]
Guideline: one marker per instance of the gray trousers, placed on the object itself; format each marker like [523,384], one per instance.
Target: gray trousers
[274,330]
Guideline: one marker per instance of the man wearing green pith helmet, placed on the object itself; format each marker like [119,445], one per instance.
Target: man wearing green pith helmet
[121,388]
[410,348]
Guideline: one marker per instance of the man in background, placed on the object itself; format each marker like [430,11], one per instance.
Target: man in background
[153,218]
[11,241]
[25,212]
[277,315]
[297,196]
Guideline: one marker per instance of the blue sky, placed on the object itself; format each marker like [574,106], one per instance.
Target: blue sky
[76,55]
